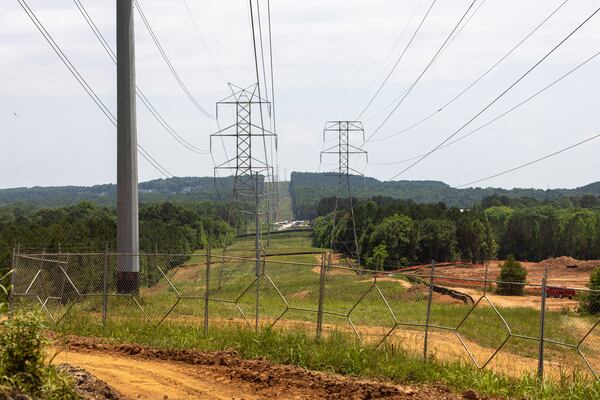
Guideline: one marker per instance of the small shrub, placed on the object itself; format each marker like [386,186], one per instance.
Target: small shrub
[512,275]
[22,345]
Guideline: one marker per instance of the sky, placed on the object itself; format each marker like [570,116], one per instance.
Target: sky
[329,58]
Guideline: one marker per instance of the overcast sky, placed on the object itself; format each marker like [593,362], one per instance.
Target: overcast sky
[329,58]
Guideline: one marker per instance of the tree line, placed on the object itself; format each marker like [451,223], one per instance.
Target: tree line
[164,227]
[393,232]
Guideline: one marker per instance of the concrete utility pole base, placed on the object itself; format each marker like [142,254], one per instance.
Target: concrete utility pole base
[128,282]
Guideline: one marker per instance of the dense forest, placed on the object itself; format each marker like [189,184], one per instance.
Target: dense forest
[166,227]
[394,232]
[307,189]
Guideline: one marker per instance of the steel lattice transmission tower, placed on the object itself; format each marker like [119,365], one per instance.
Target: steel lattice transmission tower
[246,162]
[250,168]
[343,199]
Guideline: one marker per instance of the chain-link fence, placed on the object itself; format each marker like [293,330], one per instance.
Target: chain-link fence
[537,327]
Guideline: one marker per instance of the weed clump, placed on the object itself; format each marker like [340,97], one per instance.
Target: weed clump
[24,371]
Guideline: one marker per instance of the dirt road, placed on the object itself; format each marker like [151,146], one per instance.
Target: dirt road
[146,379]
[143,373]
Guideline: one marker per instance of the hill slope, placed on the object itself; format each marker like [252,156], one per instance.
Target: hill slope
[306,189]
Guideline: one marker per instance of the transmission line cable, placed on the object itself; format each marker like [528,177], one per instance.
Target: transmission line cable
[262,51]
[499,96]
[197,28]
[83,83]
[264,73]
[256,64]
[271,69]
[396,43]
[530,162]
[275,159]
[476,81]
[411,87]
[159,118]
[450,143]
[169,64]
[458,32]
[412,38]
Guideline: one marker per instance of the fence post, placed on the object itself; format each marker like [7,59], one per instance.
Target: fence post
[321,297]
[11,289]
[208,261]
[105,286]
[485,279]
[427,317]
[540,370]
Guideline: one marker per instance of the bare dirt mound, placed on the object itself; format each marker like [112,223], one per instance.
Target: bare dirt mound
[194,374]
[562,271]
[569,262]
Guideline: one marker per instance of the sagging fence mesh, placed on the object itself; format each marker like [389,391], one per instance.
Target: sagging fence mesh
[531,327]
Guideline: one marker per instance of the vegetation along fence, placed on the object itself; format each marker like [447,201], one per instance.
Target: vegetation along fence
[510,327]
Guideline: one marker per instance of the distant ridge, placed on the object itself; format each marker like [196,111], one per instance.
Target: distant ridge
[306,189]
[171,189]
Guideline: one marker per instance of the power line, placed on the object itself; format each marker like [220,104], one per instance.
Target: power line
[271,68]
[264,70]
[499,96]
[372,81]
[411,87]
[548,86]
[412,38]
[274,160]
[476,81]
[111,53]
[262,122]
[191,15]
[65,60]
[458,32]
[531,162]
[262,50]
[169,64]
[83,83]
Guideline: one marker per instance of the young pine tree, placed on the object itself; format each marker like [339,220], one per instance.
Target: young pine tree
[512,276]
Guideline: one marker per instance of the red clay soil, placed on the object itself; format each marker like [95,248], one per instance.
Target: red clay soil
[562,271]
[248,379]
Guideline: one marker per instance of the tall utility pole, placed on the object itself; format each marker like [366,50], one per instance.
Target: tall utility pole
[127,167]
[344,150]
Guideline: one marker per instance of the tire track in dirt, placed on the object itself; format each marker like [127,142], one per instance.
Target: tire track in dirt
[145,373]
